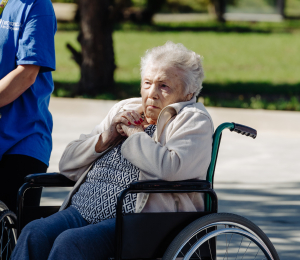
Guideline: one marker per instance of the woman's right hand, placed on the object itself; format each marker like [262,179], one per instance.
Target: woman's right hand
[112,135]
[127,118]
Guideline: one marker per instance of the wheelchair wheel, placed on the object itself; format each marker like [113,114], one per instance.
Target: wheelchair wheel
[8,240]
[221,236]
[3,206]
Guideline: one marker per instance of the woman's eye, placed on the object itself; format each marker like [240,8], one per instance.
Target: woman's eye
[164,85]
[147,84]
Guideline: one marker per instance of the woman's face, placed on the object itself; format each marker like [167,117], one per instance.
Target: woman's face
[161,86]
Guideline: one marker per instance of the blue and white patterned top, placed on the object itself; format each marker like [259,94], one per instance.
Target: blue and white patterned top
[97,196]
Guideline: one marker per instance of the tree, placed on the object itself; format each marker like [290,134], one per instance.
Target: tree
[96,59]
[98,64]
[219,9]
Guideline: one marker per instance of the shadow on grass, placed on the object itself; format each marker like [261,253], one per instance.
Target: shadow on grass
[255,95]
[65,89]
[194,26]
[123,90]
[213,28]
[251,88]
[286,26]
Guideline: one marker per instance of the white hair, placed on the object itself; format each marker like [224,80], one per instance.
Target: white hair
[178,56]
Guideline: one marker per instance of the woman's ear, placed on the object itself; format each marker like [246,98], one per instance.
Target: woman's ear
[189,97]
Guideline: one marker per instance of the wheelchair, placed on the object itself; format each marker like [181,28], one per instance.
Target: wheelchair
[168,235]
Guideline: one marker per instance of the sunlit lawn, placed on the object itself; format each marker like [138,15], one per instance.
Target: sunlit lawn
[67,71]
[228,57]
[238,61]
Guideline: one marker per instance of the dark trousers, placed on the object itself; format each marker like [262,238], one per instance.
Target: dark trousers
[65,235]
[13,169]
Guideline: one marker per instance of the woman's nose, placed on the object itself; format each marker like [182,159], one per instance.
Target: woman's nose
[153,91]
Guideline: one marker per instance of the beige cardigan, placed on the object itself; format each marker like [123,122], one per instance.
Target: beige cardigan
[179,150]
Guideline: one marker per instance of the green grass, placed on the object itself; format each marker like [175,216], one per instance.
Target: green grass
[247,64]
[67,71]
[272,58]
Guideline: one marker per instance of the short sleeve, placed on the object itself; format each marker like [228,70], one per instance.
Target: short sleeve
[36,42]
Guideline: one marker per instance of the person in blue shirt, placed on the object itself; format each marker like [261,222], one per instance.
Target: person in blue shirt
[27,57]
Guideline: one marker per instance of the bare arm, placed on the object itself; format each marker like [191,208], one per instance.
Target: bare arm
[15,83]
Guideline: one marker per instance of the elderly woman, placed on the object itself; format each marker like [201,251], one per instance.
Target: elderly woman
[164,135]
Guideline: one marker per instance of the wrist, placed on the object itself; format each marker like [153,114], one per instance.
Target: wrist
[133,131]
[106,139]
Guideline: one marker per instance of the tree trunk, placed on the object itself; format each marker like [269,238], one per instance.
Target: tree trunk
[219,8]
[281,7]
[98,64]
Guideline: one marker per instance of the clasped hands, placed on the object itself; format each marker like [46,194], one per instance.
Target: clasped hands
[123,124]
[128,123]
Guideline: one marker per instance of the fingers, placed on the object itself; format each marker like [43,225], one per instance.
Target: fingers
[120,130]
[129,130]
[128,118]
[133,118]
[137,117]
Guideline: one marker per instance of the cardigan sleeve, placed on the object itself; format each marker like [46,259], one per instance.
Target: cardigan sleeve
[186,154]
[79,154]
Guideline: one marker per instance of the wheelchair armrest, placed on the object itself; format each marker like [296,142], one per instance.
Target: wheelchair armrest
[170,185]
[52,179]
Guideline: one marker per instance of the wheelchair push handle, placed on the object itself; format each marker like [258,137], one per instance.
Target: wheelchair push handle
[244,130]
[241,129]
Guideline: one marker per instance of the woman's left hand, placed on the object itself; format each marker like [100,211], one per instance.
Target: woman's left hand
[126,130]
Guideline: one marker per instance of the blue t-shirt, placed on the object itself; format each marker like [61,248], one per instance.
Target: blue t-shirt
[27,29]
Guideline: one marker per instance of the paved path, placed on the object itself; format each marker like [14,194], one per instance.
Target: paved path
[258,179]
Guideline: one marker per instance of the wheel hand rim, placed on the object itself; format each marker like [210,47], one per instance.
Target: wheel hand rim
[225,231]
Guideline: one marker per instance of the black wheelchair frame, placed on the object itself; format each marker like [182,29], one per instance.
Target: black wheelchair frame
[161,228]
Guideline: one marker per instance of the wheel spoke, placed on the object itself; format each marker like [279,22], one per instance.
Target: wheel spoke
[199,247]
[195,251]
[198,255]
[6,246]
[239,248]
[227,250]
[211,257]
[256,254]
[2,228]
[246,249]
[226,245]
[8,239]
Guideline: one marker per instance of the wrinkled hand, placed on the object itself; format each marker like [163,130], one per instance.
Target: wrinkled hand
[128,118]
[126,130]
[112,135]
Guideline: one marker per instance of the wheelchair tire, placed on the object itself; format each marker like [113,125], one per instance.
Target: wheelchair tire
[3,206]
[221,236]
[8,240]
